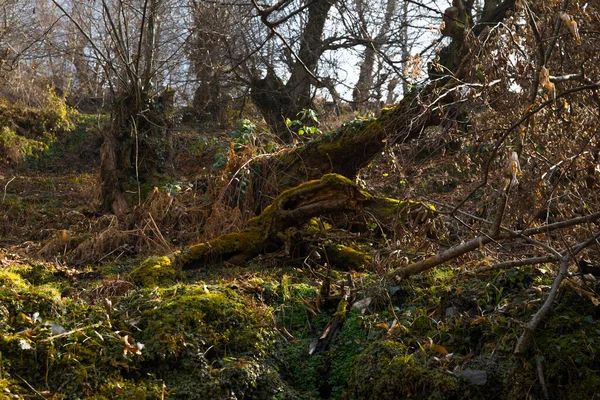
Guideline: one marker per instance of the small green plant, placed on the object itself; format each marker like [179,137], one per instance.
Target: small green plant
[306,124]
[221,158]
[359,123]
[243,134]
[178,187]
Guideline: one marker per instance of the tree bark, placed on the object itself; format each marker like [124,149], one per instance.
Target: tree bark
[277,100]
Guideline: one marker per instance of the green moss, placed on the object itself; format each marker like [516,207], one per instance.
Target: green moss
[122,389]
[346,257]
[336,180]
[11,280]
[568,341]
[387,208]
[217,322]
[346,350]
[230,247]
[39,274]
[156,271]
[386,370]
[198,343]
[16,148]
[305,373]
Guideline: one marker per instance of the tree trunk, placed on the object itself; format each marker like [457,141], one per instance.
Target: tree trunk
[345,151]
[135,148]
[113,154]
[278,101]
[362,90]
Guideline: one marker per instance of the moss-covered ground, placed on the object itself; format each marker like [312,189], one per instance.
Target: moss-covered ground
[85,314]
[247,333]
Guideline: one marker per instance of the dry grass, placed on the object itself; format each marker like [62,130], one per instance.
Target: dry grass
[109,288]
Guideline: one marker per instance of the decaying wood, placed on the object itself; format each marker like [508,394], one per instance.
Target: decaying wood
[268,232]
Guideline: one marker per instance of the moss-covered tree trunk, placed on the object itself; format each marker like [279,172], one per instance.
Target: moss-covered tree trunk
[343,152]
[332,194]
[356,143]
[136,147]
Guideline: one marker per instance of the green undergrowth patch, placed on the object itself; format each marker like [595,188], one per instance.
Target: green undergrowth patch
[27,132]
[135,332]
[441,335]
[181,341]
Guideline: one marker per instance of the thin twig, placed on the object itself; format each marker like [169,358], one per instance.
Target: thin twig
[71,332]
[6,187]
[538,317]
[30,387]
[160,235]
[540,370]
[517,263]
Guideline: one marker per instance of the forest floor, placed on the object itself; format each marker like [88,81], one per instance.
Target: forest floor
[84,314]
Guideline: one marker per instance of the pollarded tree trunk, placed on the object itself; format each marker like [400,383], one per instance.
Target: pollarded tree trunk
[275,103]
[113,154]
[136,147]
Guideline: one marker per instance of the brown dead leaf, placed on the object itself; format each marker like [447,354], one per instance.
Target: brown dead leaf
[129,346]
[438,349]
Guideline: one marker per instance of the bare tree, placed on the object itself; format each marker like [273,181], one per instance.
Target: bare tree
[126,37]
[362,90]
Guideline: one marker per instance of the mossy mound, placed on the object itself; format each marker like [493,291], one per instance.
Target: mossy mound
[438,336]
[27,131]
[155,271]
[387,370]
[188,342]
[218,322]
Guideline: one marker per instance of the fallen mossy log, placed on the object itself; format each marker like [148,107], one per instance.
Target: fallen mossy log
[331,194]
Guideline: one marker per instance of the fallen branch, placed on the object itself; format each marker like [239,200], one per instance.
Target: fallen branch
[6,187]
[538,317]
[517,263]
[480,241]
